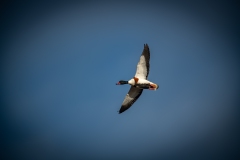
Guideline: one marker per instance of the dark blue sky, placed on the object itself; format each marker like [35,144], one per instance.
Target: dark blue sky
[60,62]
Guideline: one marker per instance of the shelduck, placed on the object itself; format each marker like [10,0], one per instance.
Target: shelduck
[139,81]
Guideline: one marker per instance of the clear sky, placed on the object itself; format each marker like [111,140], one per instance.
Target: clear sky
[60,62]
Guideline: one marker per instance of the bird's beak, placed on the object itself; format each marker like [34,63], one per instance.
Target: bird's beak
[117,83]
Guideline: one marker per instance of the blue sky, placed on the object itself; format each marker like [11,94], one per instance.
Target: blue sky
[60,63]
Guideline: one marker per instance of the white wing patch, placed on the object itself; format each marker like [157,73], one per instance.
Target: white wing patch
[141,68]
[143,64]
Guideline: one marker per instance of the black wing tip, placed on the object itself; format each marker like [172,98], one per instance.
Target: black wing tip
[146,45]
[120,111]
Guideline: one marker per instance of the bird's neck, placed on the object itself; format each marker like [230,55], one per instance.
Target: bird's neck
[124,82]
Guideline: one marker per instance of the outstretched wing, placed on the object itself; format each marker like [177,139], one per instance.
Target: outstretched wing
[143,64]
[133,94]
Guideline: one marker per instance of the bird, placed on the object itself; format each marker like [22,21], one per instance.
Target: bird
[139,82]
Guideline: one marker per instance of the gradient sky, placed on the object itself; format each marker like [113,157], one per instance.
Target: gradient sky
[60,62]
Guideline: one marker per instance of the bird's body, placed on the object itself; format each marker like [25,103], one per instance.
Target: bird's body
[142,83]
[139,81]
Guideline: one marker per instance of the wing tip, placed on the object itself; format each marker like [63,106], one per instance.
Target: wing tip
[146,45]
[121,110]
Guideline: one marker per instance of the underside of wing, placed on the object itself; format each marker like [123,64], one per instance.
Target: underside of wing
[133,94]
[143,64]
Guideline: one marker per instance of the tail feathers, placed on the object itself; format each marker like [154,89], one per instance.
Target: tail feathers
[155,86]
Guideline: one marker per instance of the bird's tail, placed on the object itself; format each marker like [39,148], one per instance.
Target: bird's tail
[155,86]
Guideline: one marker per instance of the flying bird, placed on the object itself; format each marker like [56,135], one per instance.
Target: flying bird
[139,81]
